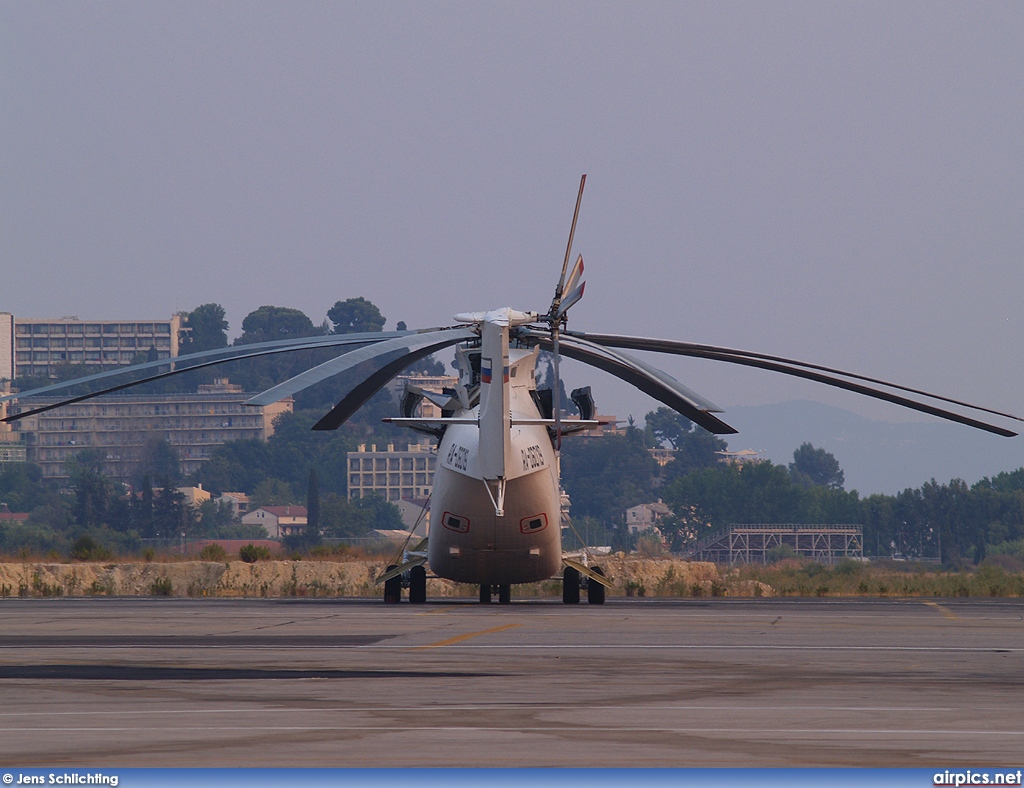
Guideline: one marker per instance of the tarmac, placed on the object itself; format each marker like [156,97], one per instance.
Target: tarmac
[633,683]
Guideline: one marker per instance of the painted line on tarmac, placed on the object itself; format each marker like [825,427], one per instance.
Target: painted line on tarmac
[454,642]
[762,732]
[467,636]
[946,612]
[487,707]
[691,647]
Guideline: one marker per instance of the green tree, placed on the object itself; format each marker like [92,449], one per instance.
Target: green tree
[344,518]
[22,487]
[755,493]
[816,466]
[158,460]
[356,316]
[93,490]
[604,476]
[208,329]
[236,466]
[269,323]
[666,426]
[313,502]
[272,492]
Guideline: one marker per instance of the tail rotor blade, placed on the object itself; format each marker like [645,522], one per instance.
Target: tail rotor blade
[574,275]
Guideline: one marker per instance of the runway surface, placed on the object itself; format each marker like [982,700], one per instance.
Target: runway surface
[637,682]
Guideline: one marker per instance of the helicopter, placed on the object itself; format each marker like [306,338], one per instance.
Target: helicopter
[496,501]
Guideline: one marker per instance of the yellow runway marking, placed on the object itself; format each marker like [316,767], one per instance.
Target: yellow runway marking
[467,636]
[433,612]
[946,612]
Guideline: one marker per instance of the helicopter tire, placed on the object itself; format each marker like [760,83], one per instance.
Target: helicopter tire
[393,588]
[485,593]
[595,591]
[570,586]
[418,585]
[504,594]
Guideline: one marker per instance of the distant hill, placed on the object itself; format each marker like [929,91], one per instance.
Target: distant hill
[876,456]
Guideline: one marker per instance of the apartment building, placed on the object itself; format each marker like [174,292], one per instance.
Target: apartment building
[31,347]
[392,474]
[193,424]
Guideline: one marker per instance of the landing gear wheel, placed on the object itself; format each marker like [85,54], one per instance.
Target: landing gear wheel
[595,591]
[485,593]
[393,588]
[418,585]
[570,586]
[504,594]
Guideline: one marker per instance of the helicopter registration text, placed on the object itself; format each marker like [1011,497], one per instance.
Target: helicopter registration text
[533,458]
[458,457]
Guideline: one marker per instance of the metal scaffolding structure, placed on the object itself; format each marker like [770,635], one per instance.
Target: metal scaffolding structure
[750,543]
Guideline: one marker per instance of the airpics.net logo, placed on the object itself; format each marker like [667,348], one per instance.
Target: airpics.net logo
[967,777]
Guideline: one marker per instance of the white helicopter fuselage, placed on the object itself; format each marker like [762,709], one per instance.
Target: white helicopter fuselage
[491,526]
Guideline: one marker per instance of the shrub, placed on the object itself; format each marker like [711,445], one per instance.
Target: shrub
[252,553]
[780,553]
[86,548]
[161,587]
[214,552]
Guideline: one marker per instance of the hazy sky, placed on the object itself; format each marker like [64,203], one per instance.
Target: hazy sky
[837,182]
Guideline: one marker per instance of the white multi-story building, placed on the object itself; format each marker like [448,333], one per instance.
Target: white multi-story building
[38,347]
[392,474]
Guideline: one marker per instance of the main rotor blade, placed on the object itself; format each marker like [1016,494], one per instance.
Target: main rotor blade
[658,384]
[347,361]
[338,341]
[376,380]
[807,371]
[230,353]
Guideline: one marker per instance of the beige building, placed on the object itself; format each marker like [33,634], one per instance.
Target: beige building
[38,347]
[415,514]
[6,346]
[392,474]
[193,424]
[646,517]
[278,520]
[742,457]
[238,501]
[195,496]
[12,444]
